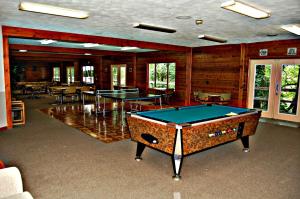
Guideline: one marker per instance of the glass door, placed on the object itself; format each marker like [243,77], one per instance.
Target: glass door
[261,86]
[114,76]
[287,90]
[70,74]
[123,76]
[118,76]
[274,88]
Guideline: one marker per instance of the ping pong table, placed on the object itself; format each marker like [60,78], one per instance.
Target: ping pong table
[124,96]
[119,95]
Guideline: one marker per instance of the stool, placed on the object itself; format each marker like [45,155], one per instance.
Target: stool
[18,112]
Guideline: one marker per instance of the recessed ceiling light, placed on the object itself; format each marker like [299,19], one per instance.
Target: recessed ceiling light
[90,45]
[183,17]
[292,28]
[212,38]
[198,21]
[23,51]
[47,41]
[154,28]
[53,10]
[245,9]
[129,48]
[87,54]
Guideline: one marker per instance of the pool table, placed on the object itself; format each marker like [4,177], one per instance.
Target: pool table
[186,130]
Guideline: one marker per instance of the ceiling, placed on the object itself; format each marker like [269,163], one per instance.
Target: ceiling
[115,18]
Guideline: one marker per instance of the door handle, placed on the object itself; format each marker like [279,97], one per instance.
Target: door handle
[277,88]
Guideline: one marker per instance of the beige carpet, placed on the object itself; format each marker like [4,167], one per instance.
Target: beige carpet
[58,161]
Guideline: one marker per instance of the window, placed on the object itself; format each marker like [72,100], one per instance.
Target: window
[88,74]
[162,75]
[56,74]
[70,74]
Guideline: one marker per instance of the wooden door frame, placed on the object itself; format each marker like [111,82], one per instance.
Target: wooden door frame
[119,76]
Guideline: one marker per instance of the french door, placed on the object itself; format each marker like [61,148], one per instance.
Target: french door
[70,74]
[274,88]
[118,76]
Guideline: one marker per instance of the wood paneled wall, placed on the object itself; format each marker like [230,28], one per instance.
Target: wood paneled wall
[216,69]
[34,73]
[224,68]
[31,71]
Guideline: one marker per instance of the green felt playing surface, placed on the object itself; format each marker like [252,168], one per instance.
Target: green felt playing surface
[191,114]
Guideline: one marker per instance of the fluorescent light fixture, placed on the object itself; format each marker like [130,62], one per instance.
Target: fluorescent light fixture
[87,54]
[129,48]
[52,10]
[212,38]
[47,41]
[22,50]
[292,28]
[90,45]
[154,28]
[183,17]
[245,9]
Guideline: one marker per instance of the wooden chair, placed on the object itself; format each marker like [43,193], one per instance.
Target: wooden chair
[56,91]
[167,96]
[212,98]
[138,105]
[71,92]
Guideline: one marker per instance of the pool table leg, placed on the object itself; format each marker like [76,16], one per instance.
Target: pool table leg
[177,156]
[245,141]
[177,163]
[139,150]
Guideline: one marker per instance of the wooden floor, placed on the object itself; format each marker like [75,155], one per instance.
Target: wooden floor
[106,128]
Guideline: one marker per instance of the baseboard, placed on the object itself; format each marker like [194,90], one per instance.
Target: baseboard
[280,122]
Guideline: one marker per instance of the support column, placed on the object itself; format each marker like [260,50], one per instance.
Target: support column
[188,77]
[62,73]
[7,81]
[242,75]
[77,71]
[134,70]
[100,71]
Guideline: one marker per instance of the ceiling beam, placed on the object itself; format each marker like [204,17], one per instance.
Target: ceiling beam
[14,54]
[42,59]
[9,31]
[67,50]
